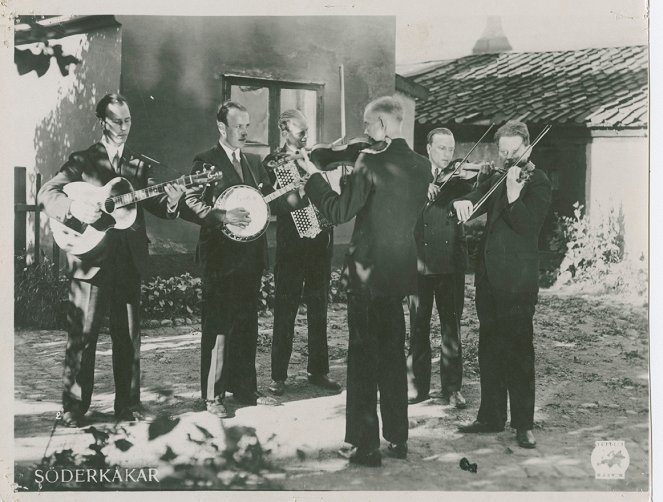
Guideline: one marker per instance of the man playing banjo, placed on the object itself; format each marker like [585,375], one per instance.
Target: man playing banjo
[232,264]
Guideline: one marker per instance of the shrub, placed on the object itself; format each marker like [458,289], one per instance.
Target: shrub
[338,287]
[40,295]
[591,248]
[41,298]
[177,296]
[594,258]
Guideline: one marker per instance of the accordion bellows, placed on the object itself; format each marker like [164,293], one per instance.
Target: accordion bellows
[308,220]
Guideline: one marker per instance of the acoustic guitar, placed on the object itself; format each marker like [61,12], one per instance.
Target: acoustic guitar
[117,201]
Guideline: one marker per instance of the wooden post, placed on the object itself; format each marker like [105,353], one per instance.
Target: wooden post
[19,210]
[37,221]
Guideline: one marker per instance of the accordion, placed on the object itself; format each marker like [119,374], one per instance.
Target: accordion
[308,220]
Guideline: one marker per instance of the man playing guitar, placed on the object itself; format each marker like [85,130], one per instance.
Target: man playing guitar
[112,281]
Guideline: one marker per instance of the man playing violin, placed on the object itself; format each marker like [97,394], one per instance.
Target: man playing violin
[385,192]
[114,283]
[303,265]
[442,260]
[507,286]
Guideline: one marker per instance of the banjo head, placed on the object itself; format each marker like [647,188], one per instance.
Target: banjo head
[249,198]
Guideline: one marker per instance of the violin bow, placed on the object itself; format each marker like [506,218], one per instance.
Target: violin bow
[527,151]
[460,164]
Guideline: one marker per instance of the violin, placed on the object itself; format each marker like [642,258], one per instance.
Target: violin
[527,168]
[329,156]
[468,171]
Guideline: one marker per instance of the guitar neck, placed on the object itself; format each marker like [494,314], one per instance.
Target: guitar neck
[281,191]
[146,193]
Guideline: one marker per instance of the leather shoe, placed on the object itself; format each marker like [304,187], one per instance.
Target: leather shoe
[216,407]
[418,398]
[71,419]
[125,415]
[141,412]
[525,438]
[397,450]
[277,387]
[457,400]
[325,382]
[477,426]
[365,457]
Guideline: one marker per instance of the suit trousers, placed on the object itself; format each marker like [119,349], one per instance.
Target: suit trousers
[376,362]
[116,285]
[448,292]
[229,332]
[506,355]
[294,274]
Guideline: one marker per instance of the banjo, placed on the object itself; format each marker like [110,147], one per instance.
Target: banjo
[252,200]
[117,202]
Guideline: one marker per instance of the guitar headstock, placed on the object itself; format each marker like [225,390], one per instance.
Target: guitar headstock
[208,174]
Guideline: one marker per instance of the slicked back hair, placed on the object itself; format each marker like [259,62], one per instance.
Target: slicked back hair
[113,97]
[224,109]
[435,132]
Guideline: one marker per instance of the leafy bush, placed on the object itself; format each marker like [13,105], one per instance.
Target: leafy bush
[594,258]
[338,287]
[40,295]
[591,247]
[177,296]
[41,298]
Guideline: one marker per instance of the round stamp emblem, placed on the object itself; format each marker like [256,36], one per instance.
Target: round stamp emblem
[610,459]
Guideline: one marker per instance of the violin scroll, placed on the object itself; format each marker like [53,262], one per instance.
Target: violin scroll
[526,168]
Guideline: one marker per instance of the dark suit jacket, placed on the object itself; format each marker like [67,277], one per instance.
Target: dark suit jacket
[214,248]
[386,192]
[509,254]
[288,242]
[94,167]
[441,244]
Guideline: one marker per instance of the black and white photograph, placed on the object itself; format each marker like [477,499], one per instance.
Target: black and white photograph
[328,250]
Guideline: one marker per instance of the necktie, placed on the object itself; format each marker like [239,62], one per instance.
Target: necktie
[116,163]
[436,174]
[237,166]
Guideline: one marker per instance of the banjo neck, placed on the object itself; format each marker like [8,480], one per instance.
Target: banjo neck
[281,191]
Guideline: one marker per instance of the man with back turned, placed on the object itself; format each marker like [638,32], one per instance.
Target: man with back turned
[385,192]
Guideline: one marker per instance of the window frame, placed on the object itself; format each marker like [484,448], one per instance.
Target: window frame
[274,87]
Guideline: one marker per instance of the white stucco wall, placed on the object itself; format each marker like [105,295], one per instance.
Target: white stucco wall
[54,114]
[618,176]
[408,117]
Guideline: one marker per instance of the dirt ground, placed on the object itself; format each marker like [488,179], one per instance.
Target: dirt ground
[592,385]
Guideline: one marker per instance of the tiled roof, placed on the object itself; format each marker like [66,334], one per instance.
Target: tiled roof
[598,88]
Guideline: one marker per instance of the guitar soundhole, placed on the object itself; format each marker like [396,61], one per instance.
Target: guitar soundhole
[109,205]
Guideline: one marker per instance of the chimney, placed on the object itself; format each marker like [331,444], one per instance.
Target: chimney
[493,38]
